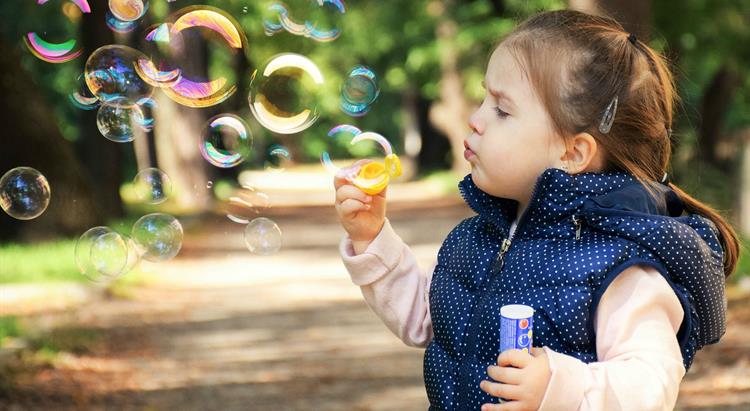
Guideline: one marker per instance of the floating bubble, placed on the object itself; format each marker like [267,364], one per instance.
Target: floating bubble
[283,97]
[152,186]
[209,23]
[62,51]
[316,25]
[226,141]
[83,98]
[339,141]
[158,236]
[24,193]
[128,10]
[109,253]
[263,236]
[146,119]
[119,26]
[111,75]
[277,158]
[100,248]
[117,121]
[359,91]
[51,52]
[155,76]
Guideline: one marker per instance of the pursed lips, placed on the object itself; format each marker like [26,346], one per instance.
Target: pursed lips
[468,152]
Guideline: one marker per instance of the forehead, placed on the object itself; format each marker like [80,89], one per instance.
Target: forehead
[505,74]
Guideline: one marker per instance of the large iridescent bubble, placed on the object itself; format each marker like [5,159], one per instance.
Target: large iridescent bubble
[111,76]
[58,51]
[24,193]
[226,141]
[158,236]
[284,95]
[212,26]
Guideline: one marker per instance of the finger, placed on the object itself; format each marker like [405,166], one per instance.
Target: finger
[514,358]
[512,406]
[491,407]
[505,375]
[350,207]
[496,389]
[538,352]
[349,191]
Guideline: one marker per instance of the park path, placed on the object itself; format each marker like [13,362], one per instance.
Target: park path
[221,329]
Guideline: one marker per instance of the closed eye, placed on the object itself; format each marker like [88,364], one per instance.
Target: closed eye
[500,113]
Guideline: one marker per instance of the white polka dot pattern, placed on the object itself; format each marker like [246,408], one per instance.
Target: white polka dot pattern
[561,273]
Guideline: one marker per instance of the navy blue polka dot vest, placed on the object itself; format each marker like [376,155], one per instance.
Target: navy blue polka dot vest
[577,234]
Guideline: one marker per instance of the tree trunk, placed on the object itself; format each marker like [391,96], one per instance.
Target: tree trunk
[101,158]
[32,138]
[714,106]
[635,16]
[451,112]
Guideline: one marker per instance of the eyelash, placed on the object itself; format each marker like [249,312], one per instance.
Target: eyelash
[500,113]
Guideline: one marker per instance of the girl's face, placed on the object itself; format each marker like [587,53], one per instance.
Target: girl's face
[512,140]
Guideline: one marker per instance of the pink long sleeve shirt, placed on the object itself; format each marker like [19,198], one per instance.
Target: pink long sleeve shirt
[640,365]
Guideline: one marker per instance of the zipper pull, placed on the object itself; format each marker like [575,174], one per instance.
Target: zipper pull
[577,223]
[501,256]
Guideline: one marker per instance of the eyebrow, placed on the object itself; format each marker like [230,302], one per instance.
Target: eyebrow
[499,94]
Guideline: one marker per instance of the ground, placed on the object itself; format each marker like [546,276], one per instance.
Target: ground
[221,329]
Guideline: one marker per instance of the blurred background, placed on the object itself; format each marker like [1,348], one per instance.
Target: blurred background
[260,314]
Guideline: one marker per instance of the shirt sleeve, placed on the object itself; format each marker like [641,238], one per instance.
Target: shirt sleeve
[393,285]
[640,365]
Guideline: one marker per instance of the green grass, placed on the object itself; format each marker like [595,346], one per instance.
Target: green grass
[9,328]
[42,262]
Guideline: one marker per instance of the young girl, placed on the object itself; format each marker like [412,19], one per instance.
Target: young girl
[575,217]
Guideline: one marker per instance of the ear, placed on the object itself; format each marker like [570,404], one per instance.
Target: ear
[583,154]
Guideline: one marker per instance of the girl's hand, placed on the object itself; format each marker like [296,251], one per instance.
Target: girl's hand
[522,380]
[361,215]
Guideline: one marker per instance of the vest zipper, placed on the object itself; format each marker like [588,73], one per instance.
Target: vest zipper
[577,223]
[501,255]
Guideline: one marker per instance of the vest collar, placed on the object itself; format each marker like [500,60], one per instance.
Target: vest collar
[558,195]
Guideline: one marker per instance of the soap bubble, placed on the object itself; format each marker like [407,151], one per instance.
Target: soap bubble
[158,236]
[263,236]
[128,10]
[109,253]
[284,95]
[359,91]
[58,51]
[111,76]
[117,122]
[83,98]
[320,20]
[146,119]
[119,26]
[338,146]
[101,254]
[211,25]
[226,141]
[277,158]
[24,193]
[152,186]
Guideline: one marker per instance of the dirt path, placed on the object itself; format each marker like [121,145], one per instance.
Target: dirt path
[221,329]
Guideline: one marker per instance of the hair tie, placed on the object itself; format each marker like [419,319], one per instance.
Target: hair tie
[665,179]
[631,38]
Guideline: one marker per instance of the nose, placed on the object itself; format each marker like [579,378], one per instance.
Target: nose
[475,124]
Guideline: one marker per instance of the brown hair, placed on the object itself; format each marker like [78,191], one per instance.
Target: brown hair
[600,61]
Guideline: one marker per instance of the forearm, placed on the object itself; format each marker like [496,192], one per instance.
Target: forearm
[392,283]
